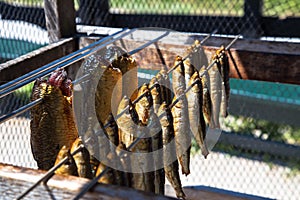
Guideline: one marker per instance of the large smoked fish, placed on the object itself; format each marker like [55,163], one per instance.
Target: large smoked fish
[52,122]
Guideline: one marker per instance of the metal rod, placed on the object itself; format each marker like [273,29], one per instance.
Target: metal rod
[130,53]
[196,47]
[55,63]
[49,173]
[19,111]
[61,65]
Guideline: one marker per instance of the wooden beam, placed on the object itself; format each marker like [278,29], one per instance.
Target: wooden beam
[277,149]
[18,179]
[60,19]
[254,59]
[35,59]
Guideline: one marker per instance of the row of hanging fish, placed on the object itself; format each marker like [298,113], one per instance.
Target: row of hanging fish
[159,113]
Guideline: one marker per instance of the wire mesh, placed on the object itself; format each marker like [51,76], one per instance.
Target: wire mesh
[22,28]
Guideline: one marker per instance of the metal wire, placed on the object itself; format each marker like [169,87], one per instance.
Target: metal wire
[95,180]
[48,175]
[50,68]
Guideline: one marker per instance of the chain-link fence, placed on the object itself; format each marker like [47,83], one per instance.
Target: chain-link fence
[255,154]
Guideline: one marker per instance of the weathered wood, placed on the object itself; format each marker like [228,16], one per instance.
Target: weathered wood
[255,60]
[60,19]
[250,143]
[15,180]
[35,59]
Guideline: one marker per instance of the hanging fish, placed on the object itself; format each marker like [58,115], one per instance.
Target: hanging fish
[165,90]
[143,180]
[52,122]
[189,70]
[170,163]
[182,133]
[68,168]
[224,65]
[105,97]
[127,122]
[215,93]
[107,177]
[206,107]
[178,81]
[197,123]
[112,130]
[155,93]
[125,161]
[128,67]
[82,160]
[143,106]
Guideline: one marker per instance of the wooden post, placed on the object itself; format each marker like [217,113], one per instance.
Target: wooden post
[60,19]
[252,18]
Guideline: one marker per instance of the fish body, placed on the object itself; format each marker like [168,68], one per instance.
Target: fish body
[197,123]
[178,81]
[206,107]
[127,123]
[128,67]
[189,70]
[170,161]
[215,94]
[82,159]
[165,90]
[52,122]
[105,97]
[143,180]
[182,133]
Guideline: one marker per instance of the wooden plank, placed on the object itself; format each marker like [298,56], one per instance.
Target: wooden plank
[250,143]
[274,111]
[35,59]
[60,22]
[254,59]
[17,179]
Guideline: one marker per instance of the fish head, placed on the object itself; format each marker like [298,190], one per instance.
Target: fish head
[59,79]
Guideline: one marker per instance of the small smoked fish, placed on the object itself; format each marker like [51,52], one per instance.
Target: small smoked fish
[143,106]
[121,152]
[144,179]
[82,160]
[206,107]
[224,64]
[69,168]
[127,123]
[155,93]
[165,90]
[108,177]
[128,67]
[52,122]
[112,130]
[189,70]
[182,133]
[178,81]
[170,161]
[215,93]
[108,92]
[197,123]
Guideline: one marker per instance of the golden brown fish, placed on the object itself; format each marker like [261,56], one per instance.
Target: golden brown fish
[206,107]
[107,177]
[112,130]
[155,93]
[170,161]
[127,123]
[182,133]
[143,180]
[197,123]
[105,97]
[52,122]
[224,65]
[128,67]
[69,168]
[82,160]
[189,70]
[165,90]
[124,159]
[215,93]
[143,106]
[178,81]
